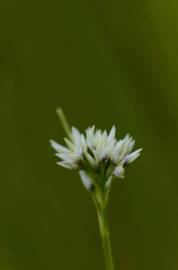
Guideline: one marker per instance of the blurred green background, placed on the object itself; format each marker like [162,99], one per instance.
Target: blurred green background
[104,62]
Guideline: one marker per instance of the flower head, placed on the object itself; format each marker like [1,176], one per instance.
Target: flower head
[96,153]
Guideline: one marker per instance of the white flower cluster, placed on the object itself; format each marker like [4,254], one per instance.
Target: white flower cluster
[96,151]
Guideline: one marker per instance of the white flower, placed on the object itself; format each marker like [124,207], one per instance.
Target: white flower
[86,180]
[96,153]
[71,155]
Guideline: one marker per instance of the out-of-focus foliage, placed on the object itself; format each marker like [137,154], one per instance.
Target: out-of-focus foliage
[104,62]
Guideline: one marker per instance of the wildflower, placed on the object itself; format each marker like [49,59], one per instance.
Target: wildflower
[99,157]
[96,153]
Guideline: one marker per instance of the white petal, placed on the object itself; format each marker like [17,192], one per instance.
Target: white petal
[125,145]
[76,136]
[131,157]
[90,137]
[112,133]
[71,157]
[65,165]
[104,136]
[130,146]
[86,180]
[83,143]
[119,172]
[116,151]
[98,136]
[59,148]
[90,131]
[108,150]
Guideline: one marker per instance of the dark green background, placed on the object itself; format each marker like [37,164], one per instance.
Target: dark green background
[104,62]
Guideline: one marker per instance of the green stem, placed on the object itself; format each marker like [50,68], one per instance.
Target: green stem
[64,122]
[105,238]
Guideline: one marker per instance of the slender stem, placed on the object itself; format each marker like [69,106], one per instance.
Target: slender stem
[64,122]
[105,238]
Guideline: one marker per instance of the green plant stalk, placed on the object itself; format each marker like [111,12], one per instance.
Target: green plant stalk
[101,203]
[64,122]
[105,237]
